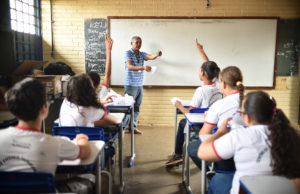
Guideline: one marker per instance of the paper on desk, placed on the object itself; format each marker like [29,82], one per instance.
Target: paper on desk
[153,69]
[119,99]
[174,99]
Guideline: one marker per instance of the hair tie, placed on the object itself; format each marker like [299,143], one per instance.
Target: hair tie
[274,109]
[238,83]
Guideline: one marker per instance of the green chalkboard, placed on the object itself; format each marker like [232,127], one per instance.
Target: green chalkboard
[288,47]
[95,51]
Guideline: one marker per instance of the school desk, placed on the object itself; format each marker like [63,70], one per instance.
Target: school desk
[185,104]
[194,120]
[127,110]
[266,184]
[115,128]
[92,163]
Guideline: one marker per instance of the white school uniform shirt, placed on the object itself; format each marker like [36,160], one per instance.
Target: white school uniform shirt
[32,151]
[73,115]
[250,149]
[205,96]
[228,107]
[103,92]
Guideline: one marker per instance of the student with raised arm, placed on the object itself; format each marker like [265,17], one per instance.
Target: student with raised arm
[204,97]
[134,76]
[24,147]
[230,83]
[81,106]
[269,144]
[102,95]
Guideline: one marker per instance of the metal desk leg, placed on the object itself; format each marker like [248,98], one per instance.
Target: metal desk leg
[130,164]
[98,174]
[187,164]
[184,160]
[175,130]
[203,177]
[122,184]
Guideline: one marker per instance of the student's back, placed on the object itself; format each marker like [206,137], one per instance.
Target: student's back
[25,149]
[81,106]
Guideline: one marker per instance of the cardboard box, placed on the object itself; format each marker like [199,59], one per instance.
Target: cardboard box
[52,83]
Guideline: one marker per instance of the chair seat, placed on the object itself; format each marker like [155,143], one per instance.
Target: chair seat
[26,182]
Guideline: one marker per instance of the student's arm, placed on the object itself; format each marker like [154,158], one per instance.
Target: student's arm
[207,128]
[178,105]
[106,120]
[132,67]
[201,51]
[206,150]
[153,56]
[108,43]
[83,142]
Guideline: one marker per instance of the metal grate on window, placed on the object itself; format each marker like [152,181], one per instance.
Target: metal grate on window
[25,17]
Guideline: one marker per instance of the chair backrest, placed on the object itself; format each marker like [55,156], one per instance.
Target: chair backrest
[26,182]
[198,110]
[94,133]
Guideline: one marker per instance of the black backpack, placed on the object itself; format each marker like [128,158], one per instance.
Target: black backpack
[58,68]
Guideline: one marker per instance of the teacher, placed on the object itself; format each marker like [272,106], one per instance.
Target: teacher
[134,76]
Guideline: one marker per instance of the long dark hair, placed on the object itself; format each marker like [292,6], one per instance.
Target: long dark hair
[211,68]
[81,92]
[95,77]
[233,77]
[285,142]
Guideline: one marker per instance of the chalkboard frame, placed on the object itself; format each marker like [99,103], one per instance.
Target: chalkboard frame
[183,17]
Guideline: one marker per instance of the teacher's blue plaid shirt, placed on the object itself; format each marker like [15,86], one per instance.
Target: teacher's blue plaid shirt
[134,78]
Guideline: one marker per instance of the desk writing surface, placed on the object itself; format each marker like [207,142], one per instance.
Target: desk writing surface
[267,184]
[96,147]
[195,118]
[119,116]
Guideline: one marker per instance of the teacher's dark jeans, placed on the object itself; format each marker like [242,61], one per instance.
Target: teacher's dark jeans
[137,93]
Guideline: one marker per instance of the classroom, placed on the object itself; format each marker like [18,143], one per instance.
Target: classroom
[73,31]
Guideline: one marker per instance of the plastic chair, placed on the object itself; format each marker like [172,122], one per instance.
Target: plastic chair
[198,110]
[26,182]
[94,133]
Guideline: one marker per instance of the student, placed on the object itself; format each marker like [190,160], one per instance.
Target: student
[24,147]
[268,145]
[230,83]
[95,76]
[203,97]
[81,106]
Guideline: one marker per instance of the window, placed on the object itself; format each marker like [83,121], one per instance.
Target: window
[25,17]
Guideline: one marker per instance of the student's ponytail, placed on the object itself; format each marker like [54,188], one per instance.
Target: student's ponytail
[285,146]
[285,142]
[241,89]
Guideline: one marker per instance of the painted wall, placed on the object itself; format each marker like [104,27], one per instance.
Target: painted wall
[68,31]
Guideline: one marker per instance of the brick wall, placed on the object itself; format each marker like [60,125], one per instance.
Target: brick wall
[69,16]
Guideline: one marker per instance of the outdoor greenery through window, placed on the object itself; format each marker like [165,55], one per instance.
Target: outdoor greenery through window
[25,17]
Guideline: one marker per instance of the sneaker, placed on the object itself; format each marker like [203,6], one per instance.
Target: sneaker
[174,161]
